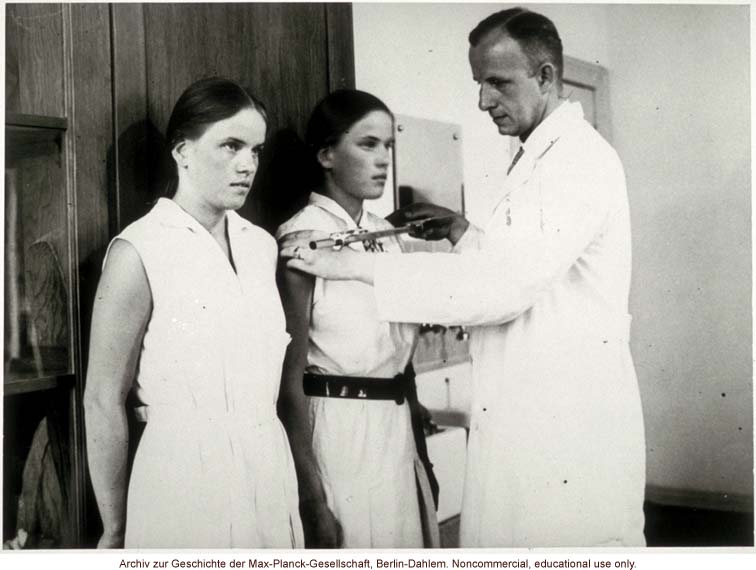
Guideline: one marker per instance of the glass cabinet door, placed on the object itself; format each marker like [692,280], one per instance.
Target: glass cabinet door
[38,336]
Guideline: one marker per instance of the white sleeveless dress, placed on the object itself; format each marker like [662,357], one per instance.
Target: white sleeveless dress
[213,468]
[365,450]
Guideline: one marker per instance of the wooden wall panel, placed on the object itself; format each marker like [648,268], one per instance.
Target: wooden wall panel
[91,124]
[340,46]
[34,59]
[288,55]
[276,50]
[132,153]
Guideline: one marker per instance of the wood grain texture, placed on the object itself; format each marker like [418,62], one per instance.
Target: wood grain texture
[92,112]
[341,73]
[90,101]
[34,59]
[131,157]
[280,52]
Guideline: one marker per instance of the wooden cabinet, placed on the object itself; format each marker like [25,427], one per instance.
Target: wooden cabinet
[88,90]
[43,464]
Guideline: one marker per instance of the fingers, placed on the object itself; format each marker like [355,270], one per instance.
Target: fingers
[297,252]
[411,213]
[339,534]
[322,528]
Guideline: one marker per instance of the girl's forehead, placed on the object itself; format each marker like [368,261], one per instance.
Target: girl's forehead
[373,121]
[247,122]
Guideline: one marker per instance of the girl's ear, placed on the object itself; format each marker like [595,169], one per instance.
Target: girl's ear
[180,154]
[325,157]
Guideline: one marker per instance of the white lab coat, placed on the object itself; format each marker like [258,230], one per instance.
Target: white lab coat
[556,453]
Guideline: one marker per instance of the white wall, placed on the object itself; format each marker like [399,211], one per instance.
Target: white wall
[681,110]
[414,57]
[680,118]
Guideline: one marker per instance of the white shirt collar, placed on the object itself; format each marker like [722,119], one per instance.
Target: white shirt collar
[173,215]
[333,207]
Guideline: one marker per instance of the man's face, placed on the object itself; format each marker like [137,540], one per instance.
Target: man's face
[509,90]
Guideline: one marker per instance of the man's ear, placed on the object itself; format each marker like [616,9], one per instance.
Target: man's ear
[180,154]
[325,157]
[546,76]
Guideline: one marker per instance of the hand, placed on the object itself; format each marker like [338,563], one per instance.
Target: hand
[111,540]
[345,264]
[321,527]
[452,227]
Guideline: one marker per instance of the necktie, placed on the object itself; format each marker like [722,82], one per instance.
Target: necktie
[515,159]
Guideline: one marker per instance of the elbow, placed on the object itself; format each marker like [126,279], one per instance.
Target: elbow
[508,306]
[286,403]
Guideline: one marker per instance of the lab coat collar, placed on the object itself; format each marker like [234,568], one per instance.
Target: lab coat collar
[560,121]
[173,215]
[333,207]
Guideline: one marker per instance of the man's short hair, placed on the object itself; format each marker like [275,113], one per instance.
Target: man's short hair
[536,35]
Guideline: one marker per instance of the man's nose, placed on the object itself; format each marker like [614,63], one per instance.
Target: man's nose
[485,99]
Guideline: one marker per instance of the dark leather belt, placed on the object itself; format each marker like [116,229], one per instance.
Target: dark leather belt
[355,387]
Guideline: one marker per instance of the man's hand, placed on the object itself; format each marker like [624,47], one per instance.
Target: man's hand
[344,264]
[321,527]
[452,225]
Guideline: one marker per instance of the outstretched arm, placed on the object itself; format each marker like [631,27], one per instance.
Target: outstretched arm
[489,285]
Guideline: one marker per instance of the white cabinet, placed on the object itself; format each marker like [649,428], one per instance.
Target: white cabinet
[447,450]
[446,392]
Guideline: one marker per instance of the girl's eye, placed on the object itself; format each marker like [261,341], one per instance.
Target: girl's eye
[368,144]
[231,145]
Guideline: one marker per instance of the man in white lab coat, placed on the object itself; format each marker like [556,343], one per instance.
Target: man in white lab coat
[556,453]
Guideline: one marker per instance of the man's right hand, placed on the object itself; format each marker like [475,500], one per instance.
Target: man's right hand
[321,527]
[451,226]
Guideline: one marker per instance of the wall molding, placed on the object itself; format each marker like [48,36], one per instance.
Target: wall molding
[691,498]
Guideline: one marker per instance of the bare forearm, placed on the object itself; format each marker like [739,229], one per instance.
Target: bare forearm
[107,450]
[297,424]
